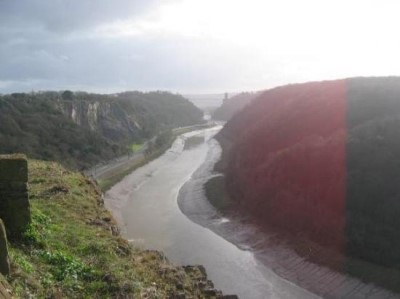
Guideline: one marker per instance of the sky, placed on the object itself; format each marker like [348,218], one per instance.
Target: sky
[193,46]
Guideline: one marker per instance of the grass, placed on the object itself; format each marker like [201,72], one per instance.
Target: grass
[136,147]
[71,250]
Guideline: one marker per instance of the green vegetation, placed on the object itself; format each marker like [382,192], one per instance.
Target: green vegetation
[80,129]
[72,248]
[373,167]
[325,156]
[36,127]
[135,147]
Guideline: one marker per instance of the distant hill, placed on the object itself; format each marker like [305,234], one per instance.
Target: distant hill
[206,102]
[233,105]
[81,129]
[321,160]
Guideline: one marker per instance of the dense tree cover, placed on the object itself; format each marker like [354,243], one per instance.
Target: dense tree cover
[321,160]
[373,170]
[35,126]
[81,129]
[158,111]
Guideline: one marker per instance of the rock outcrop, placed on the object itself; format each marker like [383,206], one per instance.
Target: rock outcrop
[81,129]
[320,160]
[14,203]
[129,115]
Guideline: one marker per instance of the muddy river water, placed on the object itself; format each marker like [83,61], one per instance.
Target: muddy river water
[162,206]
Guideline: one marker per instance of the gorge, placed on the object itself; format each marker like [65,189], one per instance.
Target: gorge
[319,161]
[81,129]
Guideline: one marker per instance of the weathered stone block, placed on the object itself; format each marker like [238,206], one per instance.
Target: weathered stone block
[14,203]
[4,263]
[5,186]
[18,218]
[13,168]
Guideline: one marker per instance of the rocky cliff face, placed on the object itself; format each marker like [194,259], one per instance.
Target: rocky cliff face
[129,115]
[82,129]
[320,160]
[101,116]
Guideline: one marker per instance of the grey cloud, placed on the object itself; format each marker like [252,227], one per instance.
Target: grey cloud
[44,45]
[135,63]
[68,15]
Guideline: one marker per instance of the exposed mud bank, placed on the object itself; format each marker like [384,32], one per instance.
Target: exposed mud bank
[296,259]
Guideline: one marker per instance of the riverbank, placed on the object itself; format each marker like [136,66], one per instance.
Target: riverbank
[110,173]
[146,208]
[310,265]
[73,249]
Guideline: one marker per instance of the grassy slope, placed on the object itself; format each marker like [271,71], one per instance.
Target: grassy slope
[71,251]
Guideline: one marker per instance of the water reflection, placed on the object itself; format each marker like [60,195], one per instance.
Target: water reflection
[291,259]
[146,208]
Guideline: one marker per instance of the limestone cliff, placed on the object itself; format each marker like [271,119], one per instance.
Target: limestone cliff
[81,129]
[129,115]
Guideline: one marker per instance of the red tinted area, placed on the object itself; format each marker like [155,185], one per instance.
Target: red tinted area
[287,162]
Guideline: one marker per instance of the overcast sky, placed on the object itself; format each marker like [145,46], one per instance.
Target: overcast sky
[193,46]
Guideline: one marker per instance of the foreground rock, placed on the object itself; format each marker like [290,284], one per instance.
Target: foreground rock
[4,262]
[14,204]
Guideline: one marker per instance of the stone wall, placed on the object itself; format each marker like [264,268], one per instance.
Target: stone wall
[14,203]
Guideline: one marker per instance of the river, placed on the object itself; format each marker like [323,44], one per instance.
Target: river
[162,206]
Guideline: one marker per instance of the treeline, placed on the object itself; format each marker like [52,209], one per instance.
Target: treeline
[320,160]
[81,129]
[373,170]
